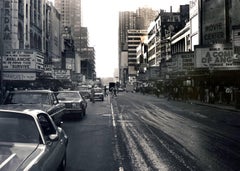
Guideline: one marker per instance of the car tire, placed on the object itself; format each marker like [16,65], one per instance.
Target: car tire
[63,163]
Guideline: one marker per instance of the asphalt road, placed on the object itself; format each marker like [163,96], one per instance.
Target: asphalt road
[141,132]
[173,135]
[91,139]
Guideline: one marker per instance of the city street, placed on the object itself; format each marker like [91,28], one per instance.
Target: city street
[142,132]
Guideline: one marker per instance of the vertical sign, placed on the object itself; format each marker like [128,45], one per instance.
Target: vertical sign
[213,21]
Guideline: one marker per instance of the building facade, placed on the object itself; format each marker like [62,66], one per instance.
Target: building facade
[23,41]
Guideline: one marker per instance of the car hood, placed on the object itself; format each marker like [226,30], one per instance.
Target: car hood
[22,107]
[13,155]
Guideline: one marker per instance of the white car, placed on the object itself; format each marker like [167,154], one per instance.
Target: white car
[30,141]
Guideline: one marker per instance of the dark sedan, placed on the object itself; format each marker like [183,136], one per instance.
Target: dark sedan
[74,102]
[36,99]
[30,140]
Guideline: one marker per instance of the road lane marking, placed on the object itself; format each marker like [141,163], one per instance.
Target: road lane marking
[113,117]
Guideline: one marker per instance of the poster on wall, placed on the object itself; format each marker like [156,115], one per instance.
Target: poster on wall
[217,57]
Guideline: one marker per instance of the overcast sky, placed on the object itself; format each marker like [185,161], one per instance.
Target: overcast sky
[101,18]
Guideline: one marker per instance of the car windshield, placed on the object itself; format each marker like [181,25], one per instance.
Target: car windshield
[68,95]
[27,98]
[20,128]
[98,90]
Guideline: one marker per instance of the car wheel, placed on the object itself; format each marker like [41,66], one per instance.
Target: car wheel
[63,163]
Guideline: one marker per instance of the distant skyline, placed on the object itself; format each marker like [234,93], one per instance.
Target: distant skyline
[102,22]
[101,19]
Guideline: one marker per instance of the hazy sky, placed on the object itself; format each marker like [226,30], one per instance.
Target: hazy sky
[101,19]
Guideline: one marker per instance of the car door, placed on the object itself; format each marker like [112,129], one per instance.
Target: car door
[57,109]
[55,149]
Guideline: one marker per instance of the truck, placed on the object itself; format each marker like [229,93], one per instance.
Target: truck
[129,88]
[111,85]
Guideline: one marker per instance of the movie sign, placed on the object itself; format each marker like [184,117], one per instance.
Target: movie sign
[215,58]
[213,22]
[22,60]
[19,76]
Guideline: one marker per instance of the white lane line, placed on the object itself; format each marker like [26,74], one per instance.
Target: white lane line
[113,117]
[7,160]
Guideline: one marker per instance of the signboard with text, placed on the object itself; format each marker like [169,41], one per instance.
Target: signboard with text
[215,57]
[19,76]
[213,22]
[22,60]
[62,74]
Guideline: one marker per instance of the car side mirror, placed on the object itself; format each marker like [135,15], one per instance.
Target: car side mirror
[53,137]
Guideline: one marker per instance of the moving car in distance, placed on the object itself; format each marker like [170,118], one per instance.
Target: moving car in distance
[74,102]
[84,91]
[98,94]
[30,140]
[36,99]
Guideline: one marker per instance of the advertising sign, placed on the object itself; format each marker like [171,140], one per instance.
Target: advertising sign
[213,22]
[193,8]
[235,12]
[186,61]
[19,76]
[22,60]
[7,20]
[62,74]
[215,58]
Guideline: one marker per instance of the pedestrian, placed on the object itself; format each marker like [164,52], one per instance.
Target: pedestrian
[105,91]
[115,91]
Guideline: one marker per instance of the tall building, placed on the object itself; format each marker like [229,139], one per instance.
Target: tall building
[87,56]
[23,40]
[132,24]
[71,18]
[53,37]
[134,38]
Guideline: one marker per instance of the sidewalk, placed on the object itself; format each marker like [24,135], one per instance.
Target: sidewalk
[218,106]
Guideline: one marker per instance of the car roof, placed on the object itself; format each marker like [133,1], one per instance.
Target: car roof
[31,91]
[30,112]
[68,91]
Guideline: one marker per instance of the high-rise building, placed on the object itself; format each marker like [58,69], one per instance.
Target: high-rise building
[132,26]
[71,18]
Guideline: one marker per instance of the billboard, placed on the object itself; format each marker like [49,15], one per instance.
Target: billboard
[235,12]
[62,74]
[213,22]
[19,76]
[216,57]
[23,60]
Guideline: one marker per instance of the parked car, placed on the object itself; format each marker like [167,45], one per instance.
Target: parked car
[36,99]
[30,140]
[99,94]
[74,102]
